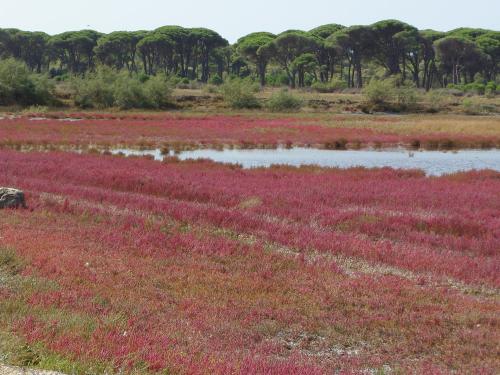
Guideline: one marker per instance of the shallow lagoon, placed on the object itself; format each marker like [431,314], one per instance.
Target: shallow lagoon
[433,163]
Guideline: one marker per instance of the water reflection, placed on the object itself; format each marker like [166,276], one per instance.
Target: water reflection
[432,162]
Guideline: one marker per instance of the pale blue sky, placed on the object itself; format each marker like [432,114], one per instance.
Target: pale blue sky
[233,19]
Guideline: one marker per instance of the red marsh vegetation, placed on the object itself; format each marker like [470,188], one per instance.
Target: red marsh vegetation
[195,267]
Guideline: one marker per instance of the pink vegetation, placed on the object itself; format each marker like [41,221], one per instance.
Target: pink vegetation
[213,131]
[203,268]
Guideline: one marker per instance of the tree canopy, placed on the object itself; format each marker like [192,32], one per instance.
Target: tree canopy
[328,52]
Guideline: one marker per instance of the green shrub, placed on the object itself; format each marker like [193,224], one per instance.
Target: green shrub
[328,87]
[406,97]
[437,100]
[453,86]
[143,77]
[129,93]
[158,92]
[472,107]
[216,80]
[284,101]
[106,88]
[95,90]
[475,88]
[240,94]
[379,93]
[19,86]
[277,78]
[390,94]
[491,89]
[186,84]
[456,92]
[36,109]
[211,89]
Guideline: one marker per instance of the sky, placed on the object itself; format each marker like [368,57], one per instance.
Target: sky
[236,18]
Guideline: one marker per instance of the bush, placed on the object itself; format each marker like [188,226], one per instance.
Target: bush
[277,78]
[389,94]
[216,80]
[36,109]
[455,92]
[240,94]
[210,89]
[95,90]
[107,88]
[379,93]
[186,84]
[329,87]
[491,89]
[472,106]
[158,92]
[284,101]
[406,97]
[19,86]
[437,100]
[143,77]
[129,93]
[453,86]
[475,88]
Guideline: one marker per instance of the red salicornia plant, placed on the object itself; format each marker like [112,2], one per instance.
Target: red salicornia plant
[196,267]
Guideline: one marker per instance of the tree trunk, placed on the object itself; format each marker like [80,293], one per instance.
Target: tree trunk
[349,84]
[262,73]
[359,79]
[301,77]
[291,78]
[426,74]
[404,68]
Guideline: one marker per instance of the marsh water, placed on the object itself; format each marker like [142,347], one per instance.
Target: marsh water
[433,163]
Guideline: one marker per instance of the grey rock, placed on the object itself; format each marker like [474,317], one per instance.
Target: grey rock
[11,198]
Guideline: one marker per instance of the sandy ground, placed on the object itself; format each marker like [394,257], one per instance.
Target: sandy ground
[10,370]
